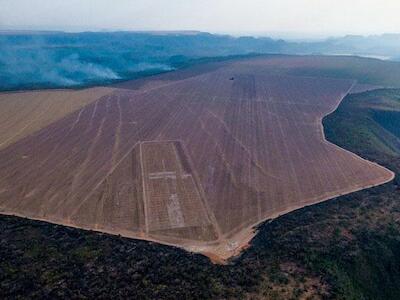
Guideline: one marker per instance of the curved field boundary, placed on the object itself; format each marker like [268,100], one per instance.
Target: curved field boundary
[254,149]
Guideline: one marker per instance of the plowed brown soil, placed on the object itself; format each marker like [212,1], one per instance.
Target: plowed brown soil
[194,160]
[26,112]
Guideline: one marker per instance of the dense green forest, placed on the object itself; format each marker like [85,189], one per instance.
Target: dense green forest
[35,60]
[345,248]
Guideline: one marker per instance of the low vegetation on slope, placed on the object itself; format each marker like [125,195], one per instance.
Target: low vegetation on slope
[346,248]
[365,70]
[368,124]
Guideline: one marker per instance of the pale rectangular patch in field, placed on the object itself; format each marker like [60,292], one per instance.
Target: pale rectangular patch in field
[172,199]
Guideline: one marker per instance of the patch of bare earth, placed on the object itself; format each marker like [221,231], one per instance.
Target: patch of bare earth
[194,161]
[23,113]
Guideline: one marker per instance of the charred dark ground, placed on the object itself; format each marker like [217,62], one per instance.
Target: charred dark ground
[346,248]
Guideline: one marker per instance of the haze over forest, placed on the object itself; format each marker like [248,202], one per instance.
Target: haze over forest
[57,43]
[58,59]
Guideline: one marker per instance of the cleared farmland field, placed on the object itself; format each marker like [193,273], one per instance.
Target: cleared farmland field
[190,158]
[26,112]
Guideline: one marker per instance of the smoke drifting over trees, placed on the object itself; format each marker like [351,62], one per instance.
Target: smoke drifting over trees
[57,59]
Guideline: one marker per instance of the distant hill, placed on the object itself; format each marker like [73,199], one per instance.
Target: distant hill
[385,46]
[54,59]
[41,59]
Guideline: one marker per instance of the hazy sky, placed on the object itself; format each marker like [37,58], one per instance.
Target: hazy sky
[279,17]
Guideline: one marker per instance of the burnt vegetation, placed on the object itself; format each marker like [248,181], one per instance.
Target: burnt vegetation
[346,248]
